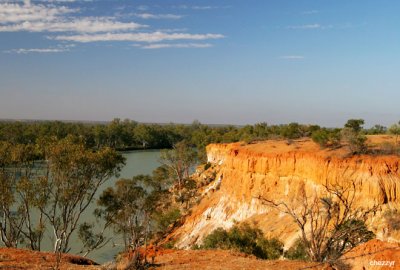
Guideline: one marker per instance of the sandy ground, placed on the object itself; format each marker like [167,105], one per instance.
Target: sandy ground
[219,260]
[11,258]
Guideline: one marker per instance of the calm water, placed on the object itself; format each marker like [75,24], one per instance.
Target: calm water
[137,162]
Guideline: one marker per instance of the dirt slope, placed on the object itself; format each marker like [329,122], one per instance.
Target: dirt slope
[11,258]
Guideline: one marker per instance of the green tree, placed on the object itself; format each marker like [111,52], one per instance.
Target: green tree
[291,131]
[395,130]
[355,141]
[17,168]
[377,129]
[326,138]
[354,124]
[179,161]
[351,134]
[129,208]
[74,174]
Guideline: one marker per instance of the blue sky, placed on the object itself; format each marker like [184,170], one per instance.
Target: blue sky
[230,61]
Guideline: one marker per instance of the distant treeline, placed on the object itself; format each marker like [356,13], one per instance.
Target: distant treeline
[128,134]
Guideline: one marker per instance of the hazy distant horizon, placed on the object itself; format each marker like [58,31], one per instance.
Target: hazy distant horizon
[367,125]
[220,62]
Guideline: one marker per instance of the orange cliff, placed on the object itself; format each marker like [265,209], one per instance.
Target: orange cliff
[276,170]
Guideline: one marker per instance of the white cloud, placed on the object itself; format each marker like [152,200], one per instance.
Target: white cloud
[198,7]
[14,13]
[81,25]
[158,16]
[136,37]
[59,49]
[50,17]
[306,26]
[177,45]
[203,7]
[292,57]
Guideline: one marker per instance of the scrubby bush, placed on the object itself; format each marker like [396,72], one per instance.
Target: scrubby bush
[244,238]
[355,141]
[269,248]
[326,138]
[353,136]
[336,226]
[297,251]
[165,219]
[291,131]
[321,137]
[395,130]
[376,129]
[218,239]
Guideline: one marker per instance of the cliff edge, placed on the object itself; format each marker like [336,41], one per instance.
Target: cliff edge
[239,175]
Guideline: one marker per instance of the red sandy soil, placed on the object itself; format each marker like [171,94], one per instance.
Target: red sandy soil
[220,259]
[366,255]
[11,258]
[306,145]
[359,258]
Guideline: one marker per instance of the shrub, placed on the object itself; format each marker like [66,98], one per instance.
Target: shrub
[270,248]
[321,137]
[338,226]
[352,135]
[291,131]
[218,239]
[326,138]
[164,220]
[355,125]
[355,141]
[298,251]
[244,238]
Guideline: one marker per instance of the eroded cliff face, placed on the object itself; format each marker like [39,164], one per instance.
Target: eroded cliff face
[278,171]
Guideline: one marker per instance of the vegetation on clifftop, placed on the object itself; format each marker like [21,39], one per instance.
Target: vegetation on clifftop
[244,238]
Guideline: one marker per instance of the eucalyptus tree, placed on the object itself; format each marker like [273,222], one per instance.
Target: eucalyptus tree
[74,174]
[179,161]
[17,168]
[395,130]
[57,179]
[130,208]
[352,135]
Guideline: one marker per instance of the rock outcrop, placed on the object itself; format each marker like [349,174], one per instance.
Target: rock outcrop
[279,170]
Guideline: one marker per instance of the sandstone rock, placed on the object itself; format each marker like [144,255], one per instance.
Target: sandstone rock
[277,171]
